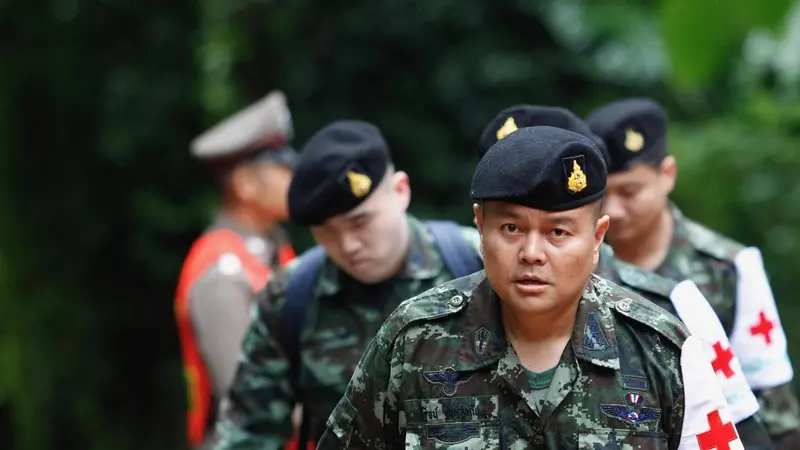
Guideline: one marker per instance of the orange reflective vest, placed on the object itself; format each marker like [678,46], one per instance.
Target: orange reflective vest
[205,252]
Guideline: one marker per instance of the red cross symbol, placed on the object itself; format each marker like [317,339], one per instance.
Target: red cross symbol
[763,327]
[722,360]
[719,435]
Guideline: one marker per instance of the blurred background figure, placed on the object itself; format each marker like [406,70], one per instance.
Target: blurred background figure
[101,201]
[231,262]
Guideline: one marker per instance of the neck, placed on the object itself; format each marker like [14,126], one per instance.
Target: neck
[650,250]
[248,219]
[540,328]
[404,246]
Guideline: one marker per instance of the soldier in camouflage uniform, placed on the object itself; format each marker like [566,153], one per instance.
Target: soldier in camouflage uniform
[649,232]
[372,255]
[535,353]
[681,299]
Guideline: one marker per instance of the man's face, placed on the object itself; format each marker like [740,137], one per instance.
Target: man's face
[273,189]
[368,242]
[539,261]
[635,199]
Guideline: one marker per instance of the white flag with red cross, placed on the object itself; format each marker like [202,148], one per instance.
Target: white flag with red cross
[699,317]
[707,420]
[757,338]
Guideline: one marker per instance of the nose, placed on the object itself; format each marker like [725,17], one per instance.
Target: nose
[532,251]
[613,207]
[349,243]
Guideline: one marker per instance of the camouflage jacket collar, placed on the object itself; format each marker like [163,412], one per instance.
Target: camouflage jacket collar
[593,338]
[422,263]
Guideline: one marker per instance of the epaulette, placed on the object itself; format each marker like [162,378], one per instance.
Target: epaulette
[712,243]
[440,301]
[634,306]
[644,280]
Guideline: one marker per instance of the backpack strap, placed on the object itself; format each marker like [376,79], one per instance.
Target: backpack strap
[459,257]
[299,290]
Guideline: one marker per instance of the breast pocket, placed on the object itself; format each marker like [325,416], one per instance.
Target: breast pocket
[603,438]
[462,423]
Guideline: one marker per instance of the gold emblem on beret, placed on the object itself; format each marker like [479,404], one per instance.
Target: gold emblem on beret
[508,127]
[634,141]
[577,179]
[359,183]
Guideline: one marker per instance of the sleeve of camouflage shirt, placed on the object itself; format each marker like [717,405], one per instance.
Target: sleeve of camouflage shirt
[367,416]
[257,413]
[219,307]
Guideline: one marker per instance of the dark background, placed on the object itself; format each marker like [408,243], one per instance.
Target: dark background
[100,199]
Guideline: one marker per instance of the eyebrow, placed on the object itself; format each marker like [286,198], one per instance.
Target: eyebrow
[356,216]
[562,220]
[629,184]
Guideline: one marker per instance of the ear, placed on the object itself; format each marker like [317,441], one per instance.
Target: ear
[668,171]
[244,184]
[600,230]
[401,186]
[477,210]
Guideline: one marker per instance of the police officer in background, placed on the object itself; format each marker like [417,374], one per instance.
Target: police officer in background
[250,156]
[321,312]
[682,299]
[535,352]
[650,232]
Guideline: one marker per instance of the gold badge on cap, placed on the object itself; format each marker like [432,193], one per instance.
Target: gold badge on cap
[576,181]
[634,141]
[508,127]
[359,183]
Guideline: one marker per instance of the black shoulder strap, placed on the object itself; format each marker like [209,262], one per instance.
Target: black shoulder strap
[299,291]
[460,258]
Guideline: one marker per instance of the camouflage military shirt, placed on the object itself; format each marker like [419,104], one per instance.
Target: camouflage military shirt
[733,279]
[341,319]
[441,374]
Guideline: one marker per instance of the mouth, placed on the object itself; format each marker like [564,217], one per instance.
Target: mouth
[531,280]
[531,285]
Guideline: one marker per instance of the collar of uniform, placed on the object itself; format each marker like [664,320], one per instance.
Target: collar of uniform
[484,341]
[422,262]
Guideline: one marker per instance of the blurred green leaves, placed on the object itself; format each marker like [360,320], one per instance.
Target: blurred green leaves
[703,37]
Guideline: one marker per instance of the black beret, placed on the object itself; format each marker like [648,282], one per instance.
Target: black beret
[634,131]
[523,116]
[339,167]
[542,167]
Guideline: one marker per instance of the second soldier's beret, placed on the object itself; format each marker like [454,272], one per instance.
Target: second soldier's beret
[542,167]
[339,168]
[634,131]
[522,116]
